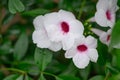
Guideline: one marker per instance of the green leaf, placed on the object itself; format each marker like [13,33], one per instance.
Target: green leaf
[116,58]
[42,57]
[15,6]
[57,78]
[115,77]
[42,77]
[35,12]
[115,37]
[20,77]
[11,77]
[68,77]
[103,54]
[21,47]
[27,78]
[98,77]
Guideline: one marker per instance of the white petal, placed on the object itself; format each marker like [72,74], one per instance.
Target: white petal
[98,32]
[92,19]
[55,46]
[70,53]
[113,5]
[102,4]
[38,23]
[51,18]
[100,17]
[112,21]
[109,31]
[65,15]
[93,55]
[68,41]
[76,27]
[41,39]
[103,38]
[54,33]
[81,60]
[91,42]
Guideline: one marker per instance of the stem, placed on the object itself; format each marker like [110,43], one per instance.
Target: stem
[107,76]
[49,74]
[81,9]
[13,69]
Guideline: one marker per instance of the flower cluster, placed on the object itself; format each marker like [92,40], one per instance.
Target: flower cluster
[105,14]
[61,30]
[105,17]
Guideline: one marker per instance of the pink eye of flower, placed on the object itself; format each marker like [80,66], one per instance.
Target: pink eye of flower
[108,15]
[65,27]
[108,38]
[82,48]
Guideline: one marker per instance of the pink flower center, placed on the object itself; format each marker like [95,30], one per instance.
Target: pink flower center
[108,38]
[108,15]
[65,27]
[82,48]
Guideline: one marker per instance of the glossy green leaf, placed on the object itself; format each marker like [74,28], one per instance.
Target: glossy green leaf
[11,77]
[115,37]
[98,77]
[27,78]
[58,78]
[103,53]
[42,77]
[116,58]
[21,47]
[114,77]
[68,77]
[20,77]
[15,6]
[35,12]
[42,57]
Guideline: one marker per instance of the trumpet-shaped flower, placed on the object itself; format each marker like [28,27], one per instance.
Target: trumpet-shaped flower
[103,36]
[40,36]
[105,15]
[83,51]
[63,27]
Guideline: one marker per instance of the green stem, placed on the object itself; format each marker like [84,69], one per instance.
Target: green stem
[49,74]
[81,9]
[13,69]
[107,76]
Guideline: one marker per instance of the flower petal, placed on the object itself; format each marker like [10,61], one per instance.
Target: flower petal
[100,17]
[98,32]
[91,42]
[41,39]
[93,55]
[55,46]
[38,23]
[81,60]
[54,33]
[65,15]
[76,27]
[68,41]
[103,38]
[102,4]
[70,53]
[112,21]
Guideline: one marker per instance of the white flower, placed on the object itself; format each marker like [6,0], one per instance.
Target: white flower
[40,36]
[83,51]
[103,36]
[63,27]
[105,15]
